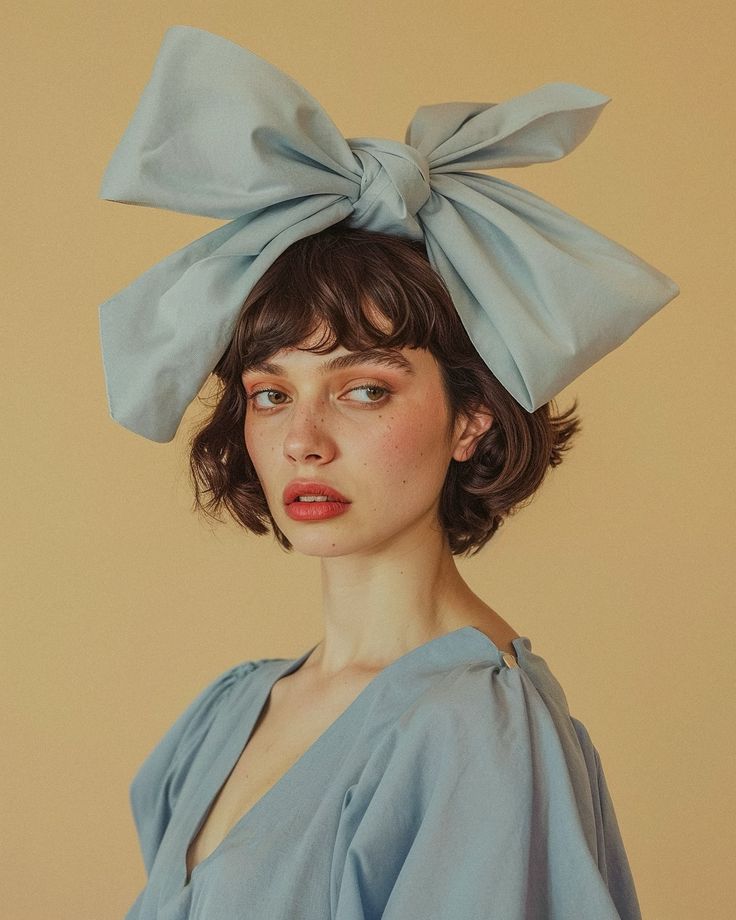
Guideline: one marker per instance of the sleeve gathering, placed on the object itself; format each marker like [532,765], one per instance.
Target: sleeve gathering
[483,803]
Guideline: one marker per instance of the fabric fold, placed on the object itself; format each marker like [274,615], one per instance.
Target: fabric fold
[221,132]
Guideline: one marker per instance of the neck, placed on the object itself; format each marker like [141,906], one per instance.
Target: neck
[381,603]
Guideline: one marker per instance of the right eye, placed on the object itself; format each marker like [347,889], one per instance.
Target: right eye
[260,406]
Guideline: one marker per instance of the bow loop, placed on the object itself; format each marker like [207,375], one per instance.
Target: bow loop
[543,124]
[394,186]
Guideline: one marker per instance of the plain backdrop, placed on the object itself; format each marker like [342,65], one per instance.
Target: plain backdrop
[120,603]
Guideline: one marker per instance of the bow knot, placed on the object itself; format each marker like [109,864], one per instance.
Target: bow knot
[393,187]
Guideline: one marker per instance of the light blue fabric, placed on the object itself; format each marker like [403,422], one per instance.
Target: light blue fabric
[454,787]
[219,131]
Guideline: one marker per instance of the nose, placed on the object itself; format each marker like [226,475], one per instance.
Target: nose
[308,436]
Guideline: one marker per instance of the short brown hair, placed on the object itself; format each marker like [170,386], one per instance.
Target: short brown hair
[336,280]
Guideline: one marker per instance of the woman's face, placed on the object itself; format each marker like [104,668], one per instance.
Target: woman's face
[377,433]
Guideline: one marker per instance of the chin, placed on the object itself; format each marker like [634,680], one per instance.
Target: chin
[327,539]
[321,543]
[311,538]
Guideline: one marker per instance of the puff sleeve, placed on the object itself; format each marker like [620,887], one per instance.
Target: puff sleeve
[488,802]
[155,787]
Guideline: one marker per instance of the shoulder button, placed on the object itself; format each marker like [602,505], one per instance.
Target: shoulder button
[509,660]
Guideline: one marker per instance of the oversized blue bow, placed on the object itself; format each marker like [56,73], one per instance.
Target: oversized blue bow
[221,132]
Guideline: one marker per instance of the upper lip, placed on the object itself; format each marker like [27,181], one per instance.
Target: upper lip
[299,487]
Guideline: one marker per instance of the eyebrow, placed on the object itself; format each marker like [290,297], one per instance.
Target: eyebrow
[370,356]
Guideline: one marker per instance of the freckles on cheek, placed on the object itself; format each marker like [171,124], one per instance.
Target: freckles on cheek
[402,442]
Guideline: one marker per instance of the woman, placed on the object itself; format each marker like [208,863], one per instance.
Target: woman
[387,337]
[406,765]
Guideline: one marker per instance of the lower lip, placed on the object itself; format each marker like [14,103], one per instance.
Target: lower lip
[315,511]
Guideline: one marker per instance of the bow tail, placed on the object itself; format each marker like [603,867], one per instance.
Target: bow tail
[182,312]
[581,294]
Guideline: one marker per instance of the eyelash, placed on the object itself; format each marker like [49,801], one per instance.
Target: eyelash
[365,386]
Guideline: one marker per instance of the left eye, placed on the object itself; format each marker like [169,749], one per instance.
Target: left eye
[367,387]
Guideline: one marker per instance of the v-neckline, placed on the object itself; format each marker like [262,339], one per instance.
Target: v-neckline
[184,878]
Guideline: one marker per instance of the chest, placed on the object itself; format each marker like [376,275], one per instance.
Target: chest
[287,727]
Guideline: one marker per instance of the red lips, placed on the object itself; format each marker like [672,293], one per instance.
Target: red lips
[299,487]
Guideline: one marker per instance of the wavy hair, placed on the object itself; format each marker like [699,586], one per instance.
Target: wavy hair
[368,289]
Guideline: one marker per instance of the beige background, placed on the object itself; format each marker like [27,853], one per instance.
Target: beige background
[120,604]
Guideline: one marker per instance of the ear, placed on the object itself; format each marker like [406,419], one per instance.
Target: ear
[468,429]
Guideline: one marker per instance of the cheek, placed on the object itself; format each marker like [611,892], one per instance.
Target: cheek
[410,444]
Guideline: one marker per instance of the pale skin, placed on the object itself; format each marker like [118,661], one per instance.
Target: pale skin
[389,580]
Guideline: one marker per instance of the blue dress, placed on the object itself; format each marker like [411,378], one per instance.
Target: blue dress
[456,786]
